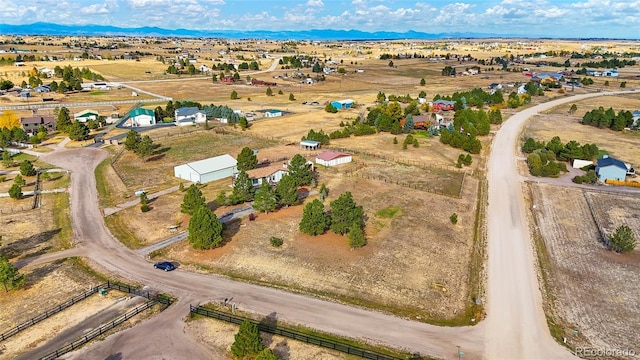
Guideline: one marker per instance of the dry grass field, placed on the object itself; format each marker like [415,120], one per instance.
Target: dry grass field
[594,290]
[217,337]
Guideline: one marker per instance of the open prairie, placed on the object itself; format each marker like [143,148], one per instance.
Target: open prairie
[594,290]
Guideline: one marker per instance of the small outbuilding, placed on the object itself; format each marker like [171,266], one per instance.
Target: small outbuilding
[342,104]
[609,168]
[272,113]
[207,170]
[86,115]
[309,144]
[333,158]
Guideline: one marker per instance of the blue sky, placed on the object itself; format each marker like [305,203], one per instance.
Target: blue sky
[533,18]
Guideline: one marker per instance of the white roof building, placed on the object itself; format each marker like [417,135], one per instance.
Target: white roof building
[207,170]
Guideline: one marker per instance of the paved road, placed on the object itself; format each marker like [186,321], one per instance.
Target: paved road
[516,326]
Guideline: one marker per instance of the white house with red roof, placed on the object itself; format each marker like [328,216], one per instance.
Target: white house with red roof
[333,158]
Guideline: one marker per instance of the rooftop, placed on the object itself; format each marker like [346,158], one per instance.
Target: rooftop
[265,171]
[187,111]
[212,164]
[330,155]
[609,161]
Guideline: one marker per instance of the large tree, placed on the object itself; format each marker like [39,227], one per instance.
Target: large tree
[247,160]
[132,140]
[64,119]
[287,191]
[19,180]
[242,188]
[356,236]
[78,131]
[345,213]
[145,147]
[26,168]
[9,275]
[205,230]
[193,199]
[622,240]
[314,220]
[265,199]
[299,170]
[247,341]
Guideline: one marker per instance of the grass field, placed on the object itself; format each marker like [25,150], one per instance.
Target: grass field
[582,269]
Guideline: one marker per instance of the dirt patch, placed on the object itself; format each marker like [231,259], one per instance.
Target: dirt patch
[595,290]
[218,337]
[415,261]
[35,231]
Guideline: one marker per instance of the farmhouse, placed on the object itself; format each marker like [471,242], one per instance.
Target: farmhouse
[609,168]
[47,72]
[86,115]
[142,117]
[333,158]
[342,104]
[272,113]
[189,116]
[211,169]
[31,124]
[273,174]
[442,105]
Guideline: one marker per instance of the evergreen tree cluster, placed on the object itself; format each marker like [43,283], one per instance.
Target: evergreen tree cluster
[142,146]
[608,119]
[476,97]
[318,136]
[563,152]
[345,217]
[543,163]
[14,134]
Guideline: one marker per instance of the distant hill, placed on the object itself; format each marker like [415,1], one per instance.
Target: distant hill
[99,30]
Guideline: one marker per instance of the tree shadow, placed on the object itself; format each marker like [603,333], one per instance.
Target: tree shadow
[229,230]
[22,246]
[155,157]
[158,150]
[40,273]
[270,321]
[116,356]
[282,350]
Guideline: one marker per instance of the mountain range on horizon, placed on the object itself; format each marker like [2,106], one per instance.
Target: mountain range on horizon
[314,34]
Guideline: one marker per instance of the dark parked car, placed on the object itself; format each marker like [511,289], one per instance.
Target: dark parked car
[164,265]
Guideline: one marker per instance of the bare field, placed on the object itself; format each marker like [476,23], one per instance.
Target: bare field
[622,145]
[217,336]
[416,261]
[595,291]
[157,171]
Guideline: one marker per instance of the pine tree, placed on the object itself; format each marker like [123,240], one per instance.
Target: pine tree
[193,199]
[265,198]
[266,354]
[408,124]
[15,192]
[324,192]
[78,131]
[269,91]
[292,97]
[244,124]
[26,168]
[9,275]
[145,147]
[64,120]
[144,202]
[242,188]
[622,240]
[299,170]
[247,341]
[19,180]
[247,160]
[287,191]
[205,230]
[132,141]
[356,236]
[345,213]
[314,220]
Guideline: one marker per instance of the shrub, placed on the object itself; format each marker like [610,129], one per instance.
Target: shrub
[622,240]
[275,241]
[454,218]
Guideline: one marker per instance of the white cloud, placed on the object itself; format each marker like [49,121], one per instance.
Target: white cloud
[315,3]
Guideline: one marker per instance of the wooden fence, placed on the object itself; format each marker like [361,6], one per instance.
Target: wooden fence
[603,234]
[292,334]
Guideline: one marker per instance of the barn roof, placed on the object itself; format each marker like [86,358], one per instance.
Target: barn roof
[609,161]
[213,164]
[330,155]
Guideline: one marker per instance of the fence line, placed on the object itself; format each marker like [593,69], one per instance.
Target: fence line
[398,160]
[603,235]
[50,312]
[99,331]
[292,334]
[108,285]
[15,210]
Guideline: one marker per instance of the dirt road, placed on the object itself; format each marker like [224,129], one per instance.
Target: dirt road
[516,327]
[103,250]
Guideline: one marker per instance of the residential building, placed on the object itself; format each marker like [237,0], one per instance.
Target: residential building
[442,105]
[31,124]
[609,168]
[272,173]
[86,115]
[189,116]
